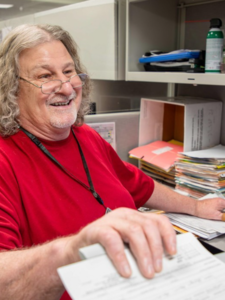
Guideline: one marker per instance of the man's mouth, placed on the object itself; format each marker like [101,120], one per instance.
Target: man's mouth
[61,103]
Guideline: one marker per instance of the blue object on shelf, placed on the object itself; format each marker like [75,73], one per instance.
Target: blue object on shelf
[171,56]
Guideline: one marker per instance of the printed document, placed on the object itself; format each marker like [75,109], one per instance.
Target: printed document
[193,273]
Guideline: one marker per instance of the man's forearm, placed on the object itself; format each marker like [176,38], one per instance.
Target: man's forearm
[164,198]
[32,273]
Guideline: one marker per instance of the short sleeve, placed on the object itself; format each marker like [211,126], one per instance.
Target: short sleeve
[9,214]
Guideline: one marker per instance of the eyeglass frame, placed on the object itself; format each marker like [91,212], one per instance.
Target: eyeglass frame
[68,80]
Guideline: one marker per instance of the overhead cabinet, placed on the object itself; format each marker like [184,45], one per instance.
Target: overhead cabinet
[97,28]
[12,23]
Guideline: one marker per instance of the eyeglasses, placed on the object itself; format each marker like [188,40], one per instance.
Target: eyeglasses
[54,86]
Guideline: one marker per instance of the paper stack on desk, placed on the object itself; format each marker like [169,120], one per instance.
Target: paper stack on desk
[207,229]
[157,160]
[193,273]
[201,172]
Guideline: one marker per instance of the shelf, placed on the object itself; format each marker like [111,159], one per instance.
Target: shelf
[177,77]
[146,22]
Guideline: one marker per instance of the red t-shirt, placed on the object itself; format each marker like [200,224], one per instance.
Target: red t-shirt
[39,201]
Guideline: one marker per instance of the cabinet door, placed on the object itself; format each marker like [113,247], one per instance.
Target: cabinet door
[12,23]
[93,25]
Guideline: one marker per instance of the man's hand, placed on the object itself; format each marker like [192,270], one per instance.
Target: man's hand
[166,199]
[210,209]
[147,234]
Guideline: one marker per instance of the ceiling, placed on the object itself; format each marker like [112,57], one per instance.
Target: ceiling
[26,7]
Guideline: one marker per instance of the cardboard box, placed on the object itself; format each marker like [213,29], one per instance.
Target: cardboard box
[194,121]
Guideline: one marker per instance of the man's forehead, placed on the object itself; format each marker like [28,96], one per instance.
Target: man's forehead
[47,56]
[41,66]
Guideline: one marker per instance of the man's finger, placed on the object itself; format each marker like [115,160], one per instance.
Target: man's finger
[111,240]
[139,246]
[168,235]
[160,234]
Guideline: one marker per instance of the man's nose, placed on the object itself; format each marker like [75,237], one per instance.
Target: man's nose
[66,88]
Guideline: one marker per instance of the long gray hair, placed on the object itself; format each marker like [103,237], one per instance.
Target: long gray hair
[21,38]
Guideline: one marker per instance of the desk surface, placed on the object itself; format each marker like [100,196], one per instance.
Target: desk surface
[221,256]
[217,243]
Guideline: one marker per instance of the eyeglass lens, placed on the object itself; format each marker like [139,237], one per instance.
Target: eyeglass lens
[54,86]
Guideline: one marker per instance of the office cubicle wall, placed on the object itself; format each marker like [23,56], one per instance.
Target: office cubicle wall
[126,128]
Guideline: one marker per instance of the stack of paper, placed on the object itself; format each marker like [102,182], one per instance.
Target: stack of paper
[193,273]
[207,229]
[157,160]
[201,172]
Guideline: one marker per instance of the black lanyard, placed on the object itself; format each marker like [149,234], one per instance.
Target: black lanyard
[46,152]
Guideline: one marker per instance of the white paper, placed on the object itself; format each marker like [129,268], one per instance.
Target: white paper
[212,195]
[191,274]
[107,130]
[91,251]
[204,228]
[162,150]
[217,152]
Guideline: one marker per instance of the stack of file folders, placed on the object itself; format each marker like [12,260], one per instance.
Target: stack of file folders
[159,174]
[157,160]
[175,61]
[201,172]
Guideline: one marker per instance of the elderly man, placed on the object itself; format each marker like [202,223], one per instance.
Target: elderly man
[59,178]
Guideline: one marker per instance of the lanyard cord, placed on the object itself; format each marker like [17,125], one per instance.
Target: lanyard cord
[46,152]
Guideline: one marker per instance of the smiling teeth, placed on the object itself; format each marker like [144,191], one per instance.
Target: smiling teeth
[61,103]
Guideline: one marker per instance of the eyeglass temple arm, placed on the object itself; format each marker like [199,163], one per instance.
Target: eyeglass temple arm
[30,82]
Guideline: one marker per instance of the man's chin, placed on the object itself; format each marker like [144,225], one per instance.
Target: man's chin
[63,124]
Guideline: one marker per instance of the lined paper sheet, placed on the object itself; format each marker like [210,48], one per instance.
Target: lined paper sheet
[193,273]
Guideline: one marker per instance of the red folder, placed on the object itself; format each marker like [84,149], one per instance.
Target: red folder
[160,154]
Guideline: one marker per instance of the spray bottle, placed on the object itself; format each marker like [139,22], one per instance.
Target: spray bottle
[214,47]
